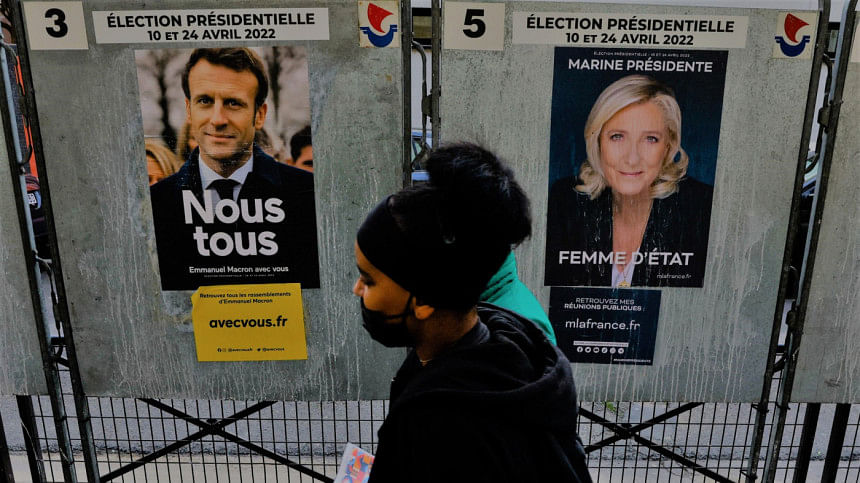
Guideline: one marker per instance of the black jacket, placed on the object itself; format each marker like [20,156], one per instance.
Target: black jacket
[678,223]
[499,406]
[295,235]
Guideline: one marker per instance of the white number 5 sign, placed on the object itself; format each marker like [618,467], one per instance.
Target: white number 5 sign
[474,26]
[55,25]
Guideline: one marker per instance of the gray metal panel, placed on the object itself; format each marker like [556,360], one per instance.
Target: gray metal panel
[20,359]
[712,342]
[828,367]
[132,339]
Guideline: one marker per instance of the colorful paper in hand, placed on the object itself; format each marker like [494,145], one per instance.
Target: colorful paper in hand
[354,466]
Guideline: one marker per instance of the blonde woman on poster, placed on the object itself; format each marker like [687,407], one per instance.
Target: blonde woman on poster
[631,217]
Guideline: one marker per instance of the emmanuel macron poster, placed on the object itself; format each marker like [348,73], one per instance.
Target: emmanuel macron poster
[224,128]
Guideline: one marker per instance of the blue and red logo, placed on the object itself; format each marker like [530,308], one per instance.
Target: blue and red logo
[789,45]
[375,16]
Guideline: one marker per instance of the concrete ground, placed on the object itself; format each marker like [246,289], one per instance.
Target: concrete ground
[185,468]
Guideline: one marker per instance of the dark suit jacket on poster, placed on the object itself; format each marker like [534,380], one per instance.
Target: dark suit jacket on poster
[295,235]
[678,224]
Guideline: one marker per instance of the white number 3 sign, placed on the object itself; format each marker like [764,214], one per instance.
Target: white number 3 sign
[55,25]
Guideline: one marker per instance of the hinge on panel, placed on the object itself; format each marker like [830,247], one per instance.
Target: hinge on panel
[824,115]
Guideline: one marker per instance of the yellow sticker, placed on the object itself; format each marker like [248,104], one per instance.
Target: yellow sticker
[262,322]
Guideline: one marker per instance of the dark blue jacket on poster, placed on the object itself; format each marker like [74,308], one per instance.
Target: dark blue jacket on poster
[281,193]
[678,223]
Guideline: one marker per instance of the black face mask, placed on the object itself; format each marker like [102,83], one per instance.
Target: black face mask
[389,335]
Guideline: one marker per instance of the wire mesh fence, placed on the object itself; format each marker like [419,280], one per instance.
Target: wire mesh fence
[142,440]
[849,461]
[138,442]
[694,440]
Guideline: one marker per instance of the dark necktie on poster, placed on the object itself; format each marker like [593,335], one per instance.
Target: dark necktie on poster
[224,188]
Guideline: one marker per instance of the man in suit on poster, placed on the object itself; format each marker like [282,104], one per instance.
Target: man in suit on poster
[232,214]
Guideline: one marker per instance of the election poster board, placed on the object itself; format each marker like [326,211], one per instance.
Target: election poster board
[630,180]
[127,254]
[740,127]
[827,364]
[264,231]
